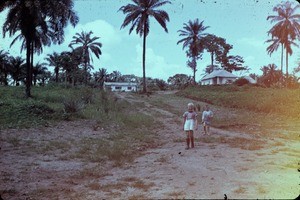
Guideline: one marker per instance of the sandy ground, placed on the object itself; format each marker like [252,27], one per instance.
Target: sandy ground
[237,164]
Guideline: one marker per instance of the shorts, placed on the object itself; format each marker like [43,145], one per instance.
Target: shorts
[189,125]
[206,123]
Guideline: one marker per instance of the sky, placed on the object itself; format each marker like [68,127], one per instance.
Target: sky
[243,23]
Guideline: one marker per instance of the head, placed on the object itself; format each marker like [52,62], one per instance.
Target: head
[191,107]
[206,108]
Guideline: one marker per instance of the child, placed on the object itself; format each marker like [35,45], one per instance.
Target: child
[207,116]
[189,123]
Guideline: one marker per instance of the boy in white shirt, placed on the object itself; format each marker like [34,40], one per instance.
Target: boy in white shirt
[207,116]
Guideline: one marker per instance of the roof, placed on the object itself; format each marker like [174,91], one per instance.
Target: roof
[219,73]
[120,84]
[251,80]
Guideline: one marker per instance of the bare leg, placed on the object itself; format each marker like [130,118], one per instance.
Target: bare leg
[204,128]
[187,140]
[192,139]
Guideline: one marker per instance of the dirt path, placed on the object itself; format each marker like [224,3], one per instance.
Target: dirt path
[232,163]
[237,164]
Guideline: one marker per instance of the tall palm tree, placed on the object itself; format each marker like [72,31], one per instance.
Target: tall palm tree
[138,15]
[287,27]
[54,61]
[16,64]
[36,21]
[87,45]
[275,43]
[192,33]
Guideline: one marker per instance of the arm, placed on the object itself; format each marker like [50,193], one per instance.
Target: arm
[184,118]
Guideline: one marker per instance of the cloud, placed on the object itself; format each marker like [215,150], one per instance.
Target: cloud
[107,34]
[109,37]
[254,42]
[156,66]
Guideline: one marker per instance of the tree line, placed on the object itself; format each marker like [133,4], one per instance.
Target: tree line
[41,23]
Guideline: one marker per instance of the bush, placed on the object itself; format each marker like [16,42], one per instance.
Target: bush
[241,82]
[73,105]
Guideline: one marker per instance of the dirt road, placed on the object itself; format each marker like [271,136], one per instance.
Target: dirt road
[237,164]
[232,163]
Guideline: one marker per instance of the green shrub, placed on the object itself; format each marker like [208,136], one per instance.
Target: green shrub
[241,82]
[73,105]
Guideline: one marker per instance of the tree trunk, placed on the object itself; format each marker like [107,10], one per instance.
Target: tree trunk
[195,68]
[66,77]
[281,58]
[286,63]
[56,74]
[31,63]
[28,69]
[194,77]
[144,60]
[86,75]
[34,80]
[73,79]
[5,79]
[212,58]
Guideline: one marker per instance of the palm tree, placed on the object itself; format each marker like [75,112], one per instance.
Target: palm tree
[193,65]
[4,66]
[70,62]
[138,15]
[38,69]
[287,27]
[192,33]
[87,45]
[16,64]
[54,60]
[100,76]
[270,75]
[275,42]
[39,23]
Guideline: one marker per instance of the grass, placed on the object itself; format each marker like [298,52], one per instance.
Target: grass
[139,184]
[240,190]
[265,112]
[14,141]
[94,186]
[261,190]
[56,103]
[162,159]
[176,195]
[46,106]
[264,100]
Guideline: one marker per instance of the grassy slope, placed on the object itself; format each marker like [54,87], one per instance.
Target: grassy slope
[54,104]
[260,111]
[285,102]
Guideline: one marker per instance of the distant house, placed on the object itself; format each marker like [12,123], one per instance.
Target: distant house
[218,77]
[120,86]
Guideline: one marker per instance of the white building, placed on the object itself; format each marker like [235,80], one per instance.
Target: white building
[121,86]
[218,77]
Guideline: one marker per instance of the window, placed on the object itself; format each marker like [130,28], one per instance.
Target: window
[129,88]
[118,88]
